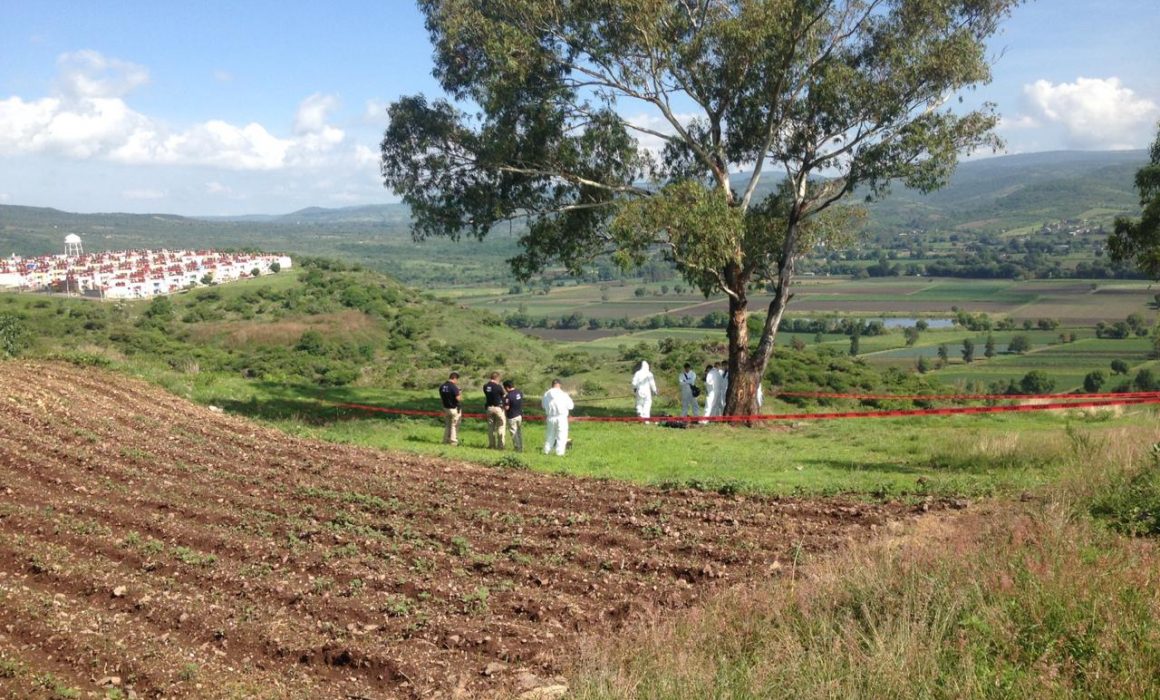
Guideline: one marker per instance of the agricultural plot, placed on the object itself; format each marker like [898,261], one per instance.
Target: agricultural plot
[1072,302]
[152,547]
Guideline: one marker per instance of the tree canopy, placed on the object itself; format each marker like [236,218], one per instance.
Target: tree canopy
[827,97]
[1138,241]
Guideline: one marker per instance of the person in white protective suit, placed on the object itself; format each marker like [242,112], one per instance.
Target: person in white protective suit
[644,385]
[722,388]
[556,405]
[687,380]
[712,388]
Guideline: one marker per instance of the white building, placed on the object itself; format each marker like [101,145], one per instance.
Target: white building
[132,274]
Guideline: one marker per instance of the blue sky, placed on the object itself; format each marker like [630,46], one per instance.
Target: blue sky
[267,107]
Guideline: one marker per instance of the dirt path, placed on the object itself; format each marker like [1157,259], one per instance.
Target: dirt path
[174,551]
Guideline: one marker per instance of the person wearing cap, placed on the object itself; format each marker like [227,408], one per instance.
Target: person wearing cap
[687,381]
[449,395]
[493,395]
[556,405]
[513,404]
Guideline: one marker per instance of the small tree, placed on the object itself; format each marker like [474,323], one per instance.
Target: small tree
[911,335]
[922,365]
[1019,344]
[1093,381]
[854,344]
[1036,382]
[968,350]
[275,267]
[943,355]
[989,347]
[1119,367]
[1145,381]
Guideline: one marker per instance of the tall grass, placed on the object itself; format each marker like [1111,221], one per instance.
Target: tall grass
[1009,599]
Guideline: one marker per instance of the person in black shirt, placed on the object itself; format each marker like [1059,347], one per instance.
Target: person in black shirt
[452,413]
[514,412]
[493,396]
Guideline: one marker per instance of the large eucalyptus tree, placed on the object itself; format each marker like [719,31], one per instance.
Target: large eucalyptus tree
[820,96]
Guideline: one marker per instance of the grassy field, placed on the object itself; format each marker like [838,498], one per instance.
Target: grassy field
[877,458]
[1072,302]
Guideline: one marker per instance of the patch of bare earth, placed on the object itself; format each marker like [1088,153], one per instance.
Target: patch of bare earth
[174,551]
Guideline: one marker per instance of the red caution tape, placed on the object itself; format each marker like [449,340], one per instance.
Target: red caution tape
[1138,398]
[965,397]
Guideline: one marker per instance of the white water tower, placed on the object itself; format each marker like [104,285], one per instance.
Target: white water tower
[72,246]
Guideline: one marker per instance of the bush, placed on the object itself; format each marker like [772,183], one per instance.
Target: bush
[13,336]
[1036,382]
[1132,507]
[1019,344]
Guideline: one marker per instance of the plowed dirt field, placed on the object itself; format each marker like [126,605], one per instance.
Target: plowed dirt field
[150,547]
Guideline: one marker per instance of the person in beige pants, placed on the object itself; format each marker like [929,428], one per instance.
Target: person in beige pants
[493,396]
[452,412]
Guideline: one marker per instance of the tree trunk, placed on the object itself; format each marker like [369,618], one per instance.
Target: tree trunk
[746,369]
[741,395]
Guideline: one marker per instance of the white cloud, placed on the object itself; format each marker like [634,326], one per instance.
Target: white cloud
[375,113]
[365,156]
[144,194]
[5,198]
[1095,113]
[88,119]
[223,76]
[312,113]
[88,74]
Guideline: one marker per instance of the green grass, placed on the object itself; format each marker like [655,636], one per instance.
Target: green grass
[949,455]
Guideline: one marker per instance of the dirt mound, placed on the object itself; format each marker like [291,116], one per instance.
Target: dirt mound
[175,551]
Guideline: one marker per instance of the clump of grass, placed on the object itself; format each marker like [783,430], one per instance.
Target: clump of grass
[1131,504]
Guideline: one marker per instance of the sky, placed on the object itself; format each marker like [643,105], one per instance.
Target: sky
[259,107]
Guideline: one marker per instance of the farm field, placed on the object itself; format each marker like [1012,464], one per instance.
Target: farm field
[1072,302]
[154,546]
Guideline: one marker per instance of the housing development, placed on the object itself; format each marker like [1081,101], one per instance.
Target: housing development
[131,274]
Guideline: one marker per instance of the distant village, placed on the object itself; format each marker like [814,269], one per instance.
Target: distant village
[131,274]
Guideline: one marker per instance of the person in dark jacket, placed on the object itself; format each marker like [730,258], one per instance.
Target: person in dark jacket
[493,397]
[452,412]
[514,412]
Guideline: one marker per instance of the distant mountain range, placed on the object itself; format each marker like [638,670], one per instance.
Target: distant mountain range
[986,195]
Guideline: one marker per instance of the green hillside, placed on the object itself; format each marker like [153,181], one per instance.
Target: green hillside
[985,197]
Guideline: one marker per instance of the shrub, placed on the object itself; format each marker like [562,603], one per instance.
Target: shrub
[1036,382]
[1133,506]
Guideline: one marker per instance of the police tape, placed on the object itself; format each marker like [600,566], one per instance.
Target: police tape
[1038,405]
[962,397]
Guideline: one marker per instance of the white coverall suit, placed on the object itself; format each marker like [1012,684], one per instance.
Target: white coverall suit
[689,406]
[645,387]
[556,405]
[712,388]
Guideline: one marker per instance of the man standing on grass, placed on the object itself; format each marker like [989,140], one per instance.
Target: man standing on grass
[722,388]
[644,385]
[687,380]
[513,405]
[712,386]
[493,395]
[449,395]
[556,405]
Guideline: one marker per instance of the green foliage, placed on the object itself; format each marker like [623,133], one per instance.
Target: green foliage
[14,337]
[850,90]
[1131,504]
[1138,241]
[1036,382]
[1093,381]
[1019,344]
